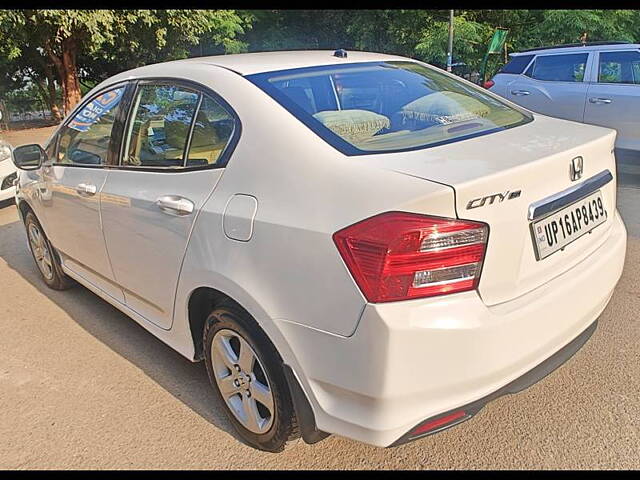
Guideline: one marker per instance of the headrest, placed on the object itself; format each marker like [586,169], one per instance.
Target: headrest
[353,125]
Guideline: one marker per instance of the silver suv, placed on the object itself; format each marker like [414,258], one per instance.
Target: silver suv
[593,83]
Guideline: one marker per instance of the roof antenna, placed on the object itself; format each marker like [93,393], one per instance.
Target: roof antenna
[340,53]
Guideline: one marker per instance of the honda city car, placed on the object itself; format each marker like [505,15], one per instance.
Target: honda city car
[354,243]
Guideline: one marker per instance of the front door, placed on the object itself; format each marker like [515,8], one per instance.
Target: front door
[73,182]
[614,101]
[169,166]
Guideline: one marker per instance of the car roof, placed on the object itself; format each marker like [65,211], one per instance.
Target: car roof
[578,48]
[250,63]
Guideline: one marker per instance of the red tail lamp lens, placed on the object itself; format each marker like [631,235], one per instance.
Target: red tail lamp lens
[398,255]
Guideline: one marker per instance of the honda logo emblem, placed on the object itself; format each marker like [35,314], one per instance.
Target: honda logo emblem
[576,169]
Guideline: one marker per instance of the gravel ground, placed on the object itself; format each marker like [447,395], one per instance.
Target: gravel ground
[83,386]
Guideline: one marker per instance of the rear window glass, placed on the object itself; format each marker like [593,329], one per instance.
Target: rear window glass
[620,67]
[386,106]
[559,68]
[517,64]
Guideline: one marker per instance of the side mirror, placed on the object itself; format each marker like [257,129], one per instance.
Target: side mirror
[29,157]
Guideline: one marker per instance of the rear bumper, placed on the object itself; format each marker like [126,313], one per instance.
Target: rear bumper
[525,381]
[416,360]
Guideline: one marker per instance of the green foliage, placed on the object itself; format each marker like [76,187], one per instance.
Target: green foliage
[423,34]
[469,45]
[296,29]
[141,37]
[95,44]
[106,42]
[566,26]
[22,100]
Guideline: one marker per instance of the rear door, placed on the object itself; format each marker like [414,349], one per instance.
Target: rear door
[614,99]
[174,147]
[509,73]
[553,85]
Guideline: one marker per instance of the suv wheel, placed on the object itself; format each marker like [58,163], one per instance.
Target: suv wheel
[45,256]
[246,373]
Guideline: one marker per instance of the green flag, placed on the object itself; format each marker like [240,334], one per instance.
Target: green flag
[497,42]
[495,46]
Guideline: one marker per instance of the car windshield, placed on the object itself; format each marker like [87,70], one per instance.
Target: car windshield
[377,107]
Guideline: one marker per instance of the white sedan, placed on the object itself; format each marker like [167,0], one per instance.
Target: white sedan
[354,243]
[8,172]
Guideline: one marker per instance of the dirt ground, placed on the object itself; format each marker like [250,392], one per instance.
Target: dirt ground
[83,386]
[30,135]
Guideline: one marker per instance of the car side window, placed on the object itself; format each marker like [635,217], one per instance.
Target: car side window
[559,68]
[212,131]
[85,139]
[517,64]
[619,67]
[160,125]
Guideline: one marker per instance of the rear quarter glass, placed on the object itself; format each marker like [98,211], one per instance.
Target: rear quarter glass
[382,107]
[517,64]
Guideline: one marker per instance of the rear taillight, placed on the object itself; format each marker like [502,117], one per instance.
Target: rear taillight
[488,84]
[398,256]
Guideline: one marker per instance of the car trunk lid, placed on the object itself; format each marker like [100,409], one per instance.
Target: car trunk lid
[497,177]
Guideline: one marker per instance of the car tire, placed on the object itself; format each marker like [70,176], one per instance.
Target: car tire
[45,256]
[241,389]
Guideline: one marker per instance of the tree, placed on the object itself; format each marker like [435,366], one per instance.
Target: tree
[153,36]
[298,29]
[24,100]
[375,30]
[34,68]
[105,41]
[66,52]
[422,34]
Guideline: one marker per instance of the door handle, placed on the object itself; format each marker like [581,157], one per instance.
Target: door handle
[86,189]
[175,205]
[520,93]
[600,100]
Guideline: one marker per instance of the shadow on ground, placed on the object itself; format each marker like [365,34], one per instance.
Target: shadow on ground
[185,380]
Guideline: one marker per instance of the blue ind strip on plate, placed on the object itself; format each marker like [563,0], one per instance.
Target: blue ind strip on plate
[566,197]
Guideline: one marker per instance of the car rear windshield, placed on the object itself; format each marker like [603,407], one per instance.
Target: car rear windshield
[379,107]
[517,64]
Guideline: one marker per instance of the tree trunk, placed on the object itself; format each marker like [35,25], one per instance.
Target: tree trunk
[52,100]
[4,121]
[53,103]
[44,97]
[73,94]
[66,68]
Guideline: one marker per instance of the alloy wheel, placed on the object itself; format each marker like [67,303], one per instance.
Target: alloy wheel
[41,252]
[242,381]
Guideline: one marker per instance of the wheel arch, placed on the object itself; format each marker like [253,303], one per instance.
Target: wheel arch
[24,208]
[202,300]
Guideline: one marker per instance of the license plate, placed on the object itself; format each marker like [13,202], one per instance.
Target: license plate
[559,229]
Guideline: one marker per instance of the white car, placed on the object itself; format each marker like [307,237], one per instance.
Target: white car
[354,243]
[8,173]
